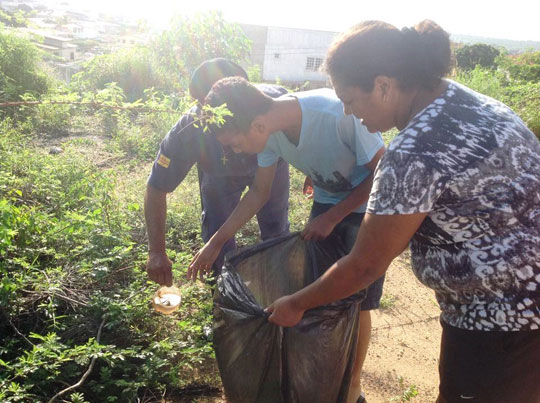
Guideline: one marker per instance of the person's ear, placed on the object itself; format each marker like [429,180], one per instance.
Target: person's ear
[383,87]
[258,126]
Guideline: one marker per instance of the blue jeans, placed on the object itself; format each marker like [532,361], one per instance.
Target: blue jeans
[220,195]
[347,230]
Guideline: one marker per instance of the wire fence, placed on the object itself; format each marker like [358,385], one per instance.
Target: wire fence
[91,104]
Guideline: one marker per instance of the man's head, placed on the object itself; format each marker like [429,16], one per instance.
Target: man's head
[211,71]
[245,130]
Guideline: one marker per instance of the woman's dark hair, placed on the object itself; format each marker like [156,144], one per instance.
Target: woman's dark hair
[243,99]
[417,57]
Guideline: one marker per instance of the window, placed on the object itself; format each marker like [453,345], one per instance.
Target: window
[314,63]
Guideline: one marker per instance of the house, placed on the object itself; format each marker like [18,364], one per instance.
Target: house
[289,55]
[59,46]
[73,30]
[51,42]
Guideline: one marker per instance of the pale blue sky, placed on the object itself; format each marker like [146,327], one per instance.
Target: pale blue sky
[516,19]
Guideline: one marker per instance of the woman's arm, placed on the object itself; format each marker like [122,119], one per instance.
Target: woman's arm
[380,239]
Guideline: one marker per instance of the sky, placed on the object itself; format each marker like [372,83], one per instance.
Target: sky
[515,19]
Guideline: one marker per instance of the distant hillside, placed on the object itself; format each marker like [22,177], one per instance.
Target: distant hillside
[511,45]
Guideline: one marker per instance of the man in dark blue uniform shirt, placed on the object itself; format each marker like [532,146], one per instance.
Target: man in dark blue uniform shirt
[223,176]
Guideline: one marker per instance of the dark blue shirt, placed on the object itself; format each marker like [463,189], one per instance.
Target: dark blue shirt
[186,144]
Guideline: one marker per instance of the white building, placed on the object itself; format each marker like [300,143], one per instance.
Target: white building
[59,46]
[289,55]
[51,42]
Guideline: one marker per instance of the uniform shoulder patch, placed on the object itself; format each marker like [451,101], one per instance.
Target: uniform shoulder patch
[163,161]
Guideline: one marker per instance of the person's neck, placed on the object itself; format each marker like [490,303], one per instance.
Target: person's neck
[416,100]
[285,115]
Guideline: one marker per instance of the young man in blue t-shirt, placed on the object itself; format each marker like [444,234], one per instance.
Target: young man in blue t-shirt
[310,131]
[223,176]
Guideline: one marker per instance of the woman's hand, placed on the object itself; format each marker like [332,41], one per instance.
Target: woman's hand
[203,260]
[284,312]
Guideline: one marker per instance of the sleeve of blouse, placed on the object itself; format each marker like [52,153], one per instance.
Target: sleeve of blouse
[405,184]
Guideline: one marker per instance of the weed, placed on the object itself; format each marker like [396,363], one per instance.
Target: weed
[72,254]
[407,392]
[387,301]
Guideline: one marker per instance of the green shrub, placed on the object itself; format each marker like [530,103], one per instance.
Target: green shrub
[470,56]
[72,245]
[523,67]
[522,96]
[133,70]
[192,40]
[16,18]
[20,70]
[254,73]
[53,116]
[485,81]
[167,63]
[112,98]
[407,392]
[524,99]
[140,132]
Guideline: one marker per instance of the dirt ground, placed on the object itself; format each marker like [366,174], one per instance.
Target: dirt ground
[404,348]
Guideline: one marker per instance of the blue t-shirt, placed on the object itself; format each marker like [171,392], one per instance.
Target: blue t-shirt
[333,147]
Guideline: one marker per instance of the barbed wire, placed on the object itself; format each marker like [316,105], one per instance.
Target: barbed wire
[411,322]
[92,104]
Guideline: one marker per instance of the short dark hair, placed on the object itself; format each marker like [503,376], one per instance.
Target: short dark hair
[210,71]
[417,57]
[243,99]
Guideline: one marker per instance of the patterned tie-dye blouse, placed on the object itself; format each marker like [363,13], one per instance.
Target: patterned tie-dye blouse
[474,167]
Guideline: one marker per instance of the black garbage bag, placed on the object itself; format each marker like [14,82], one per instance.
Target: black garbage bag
[261,362]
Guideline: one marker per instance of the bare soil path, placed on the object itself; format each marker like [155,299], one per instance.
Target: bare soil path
[404,349]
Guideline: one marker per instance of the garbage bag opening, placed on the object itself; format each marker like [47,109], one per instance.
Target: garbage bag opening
[260,362]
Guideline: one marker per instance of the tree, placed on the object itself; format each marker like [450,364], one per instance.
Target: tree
[20,68]
[167,63]
[190,41]
[14,19]
[469,56]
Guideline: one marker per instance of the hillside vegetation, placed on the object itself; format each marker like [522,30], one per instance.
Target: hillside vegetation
[76,321]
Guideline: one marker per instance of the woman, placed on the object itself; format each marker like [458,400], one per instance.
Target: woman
[461,183]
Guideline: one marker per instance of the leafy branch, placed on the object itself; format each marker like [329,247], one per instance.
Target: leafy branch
[88,371]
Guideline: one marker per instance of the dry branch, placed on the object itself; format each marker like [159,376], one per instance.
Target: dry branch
[86,374]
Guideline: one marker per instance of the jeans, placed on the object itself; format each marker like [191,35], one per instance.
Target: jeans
[221,194]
